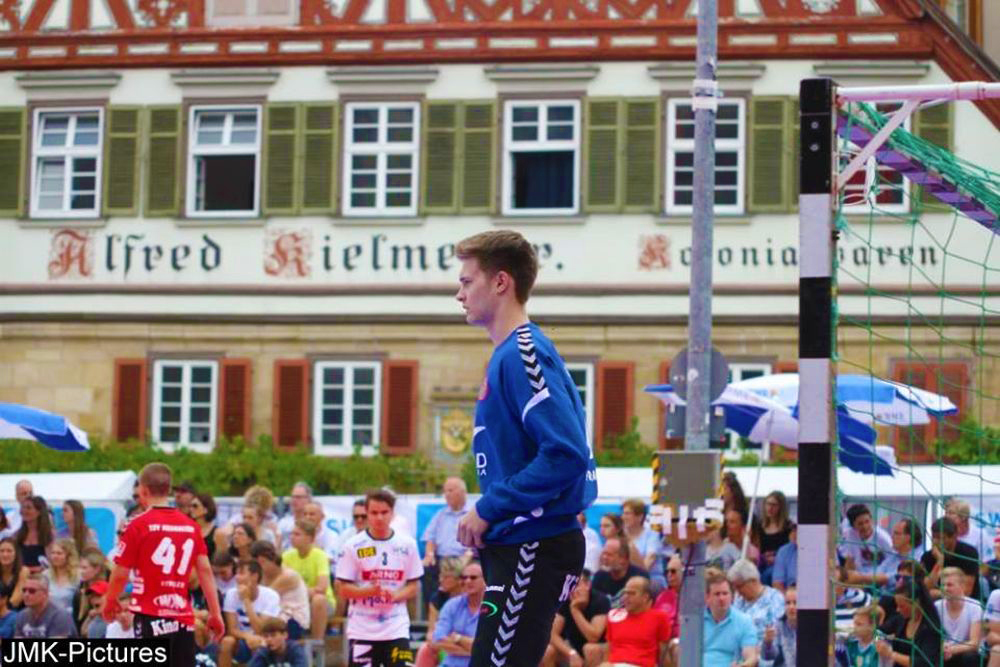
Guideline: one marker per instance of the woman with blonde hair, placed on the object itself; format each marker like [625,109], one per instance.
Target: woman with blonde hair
[63,573]
[93,568]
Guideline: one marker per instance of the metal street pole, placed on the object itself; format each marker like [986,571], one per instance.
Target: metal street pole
[705,103]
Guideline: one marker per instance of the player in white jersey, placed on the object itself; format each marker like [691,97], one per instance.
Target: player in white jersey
[378,570]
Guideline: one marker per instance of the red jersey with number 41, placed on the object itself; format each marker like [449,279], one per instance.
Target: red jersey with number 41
[161,546]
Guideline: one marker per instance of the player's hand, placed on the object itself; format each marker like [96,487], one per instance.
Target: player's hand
[216,627]
[111,609]
[243,592]
[471,528]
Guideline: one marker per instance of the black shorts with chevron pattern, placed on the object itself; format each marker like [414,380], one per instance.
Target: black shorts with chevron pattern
[525,584]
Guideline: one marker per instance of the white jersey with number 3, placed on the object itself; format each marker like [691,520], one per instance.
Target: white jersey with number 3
[392,563]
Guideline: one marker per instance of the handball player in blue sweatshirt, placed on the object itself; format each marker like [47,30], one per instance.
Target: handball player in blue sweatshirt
[536,470]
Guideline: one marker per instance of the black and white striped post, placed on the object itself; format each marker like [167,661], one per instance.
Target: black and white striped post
[816,373]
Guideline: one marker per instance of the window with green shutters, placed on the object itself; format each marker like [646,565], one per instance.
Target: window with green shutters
[622,155]
[163,160]
[459,157]
[13,150]
[772,156]
[319,145]
[933,124]
[281,166]
[121,158]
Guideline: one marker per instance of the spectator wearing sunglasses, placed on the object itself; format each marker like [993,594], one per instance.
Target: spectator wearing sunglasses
[40,618]
[456,626]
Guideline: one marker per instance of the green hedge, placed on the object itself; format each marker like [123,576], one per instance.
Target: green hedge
[234,465]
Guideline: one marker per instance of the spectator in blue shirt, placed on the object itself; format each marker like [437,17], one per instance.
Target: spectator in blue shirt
[441,534]
[456,625]
[277,651]
[730,637]
[786,563]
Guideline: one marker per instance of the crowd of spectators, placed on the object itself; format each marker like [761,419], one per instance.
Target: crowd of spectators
[902,599]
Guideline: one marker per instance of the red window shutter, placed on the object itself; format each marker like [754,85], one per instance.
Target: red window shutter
[786,366]
[290,418]
[615,398]
[234,398]
[129,400]
[950,379]
[399,407]
[913,442]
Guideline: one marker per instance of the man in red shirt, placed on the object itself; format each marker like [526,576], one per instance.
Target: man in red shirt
[637,634]
[160,545]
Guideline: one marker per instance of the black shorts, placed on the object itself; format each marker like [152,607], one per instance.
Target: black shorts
[381,653]
[181,637]
[525,584]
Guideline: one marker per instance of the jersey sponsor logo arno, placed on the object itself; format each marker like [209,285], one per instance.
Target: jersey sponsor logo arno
[382,575]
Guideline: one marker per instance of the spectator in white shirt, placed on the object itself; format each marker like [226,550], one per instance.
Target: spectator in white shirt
[960,621]
[975,536]
[245,609]
[301,496]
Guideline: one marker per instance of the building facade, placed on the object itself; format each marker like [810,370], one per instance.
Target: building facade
[238,217]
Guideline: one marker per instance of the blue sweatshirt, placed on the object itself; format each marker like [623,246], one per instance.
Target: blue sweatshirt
[536,470]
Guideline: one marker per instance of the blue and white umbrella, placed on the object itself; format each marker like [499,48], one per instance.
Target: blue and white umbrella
[865,398]
[23,423]
[761,419]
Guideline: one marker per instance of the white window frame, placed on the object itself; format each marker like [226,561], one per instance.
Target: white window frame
[348,424]
[381,149]
[38,153]
[539,146]
[252,17]
[871,174]
[675,145]
[588,387]
[186,366]
[240,149]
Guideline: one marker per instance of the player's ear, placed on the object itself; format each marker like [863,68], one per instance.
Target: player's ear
[503,282]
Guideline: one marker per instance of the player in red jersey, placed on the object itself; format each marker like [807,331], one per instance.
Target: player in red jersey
[161,545]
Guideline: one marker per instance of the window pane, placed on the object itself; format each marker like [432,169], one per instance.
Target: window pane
[200,434]
[200,415]
[560,132]
[725,177]
[365,135]
[365,116]
[543,180]
[226,182]
[171,373]
[399,161]
[201,374]
[725,197]
[400,134]
[333,375]
[333,396]
[333,416]
[170,414]
[364,376]
[525,114]
[361,437]
[728,112]
[363,199]
[244,136]
[170,434]
[683,197]
[84,164]
[560,113]
[364,397]
[363,181]
[54,129]
[83,183]
[726,159]
[85,138]
[170,394]
[685,159]
[727,131]
[685,130]
[333,436]
[684,112]
[685,177]
[400,115]
[201,394]
[397,199]
[210,126]
[364,417]
[82,202]
[398,180]
[363,162]
[525,133]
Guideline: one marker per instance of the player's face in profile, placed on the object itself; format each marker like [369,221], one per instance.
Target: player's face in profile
[475,293]
[379,517]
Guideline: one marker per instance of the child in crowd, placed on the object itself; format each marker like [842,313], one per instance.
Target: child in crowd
[860,649]
[121,627]
[277,650]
